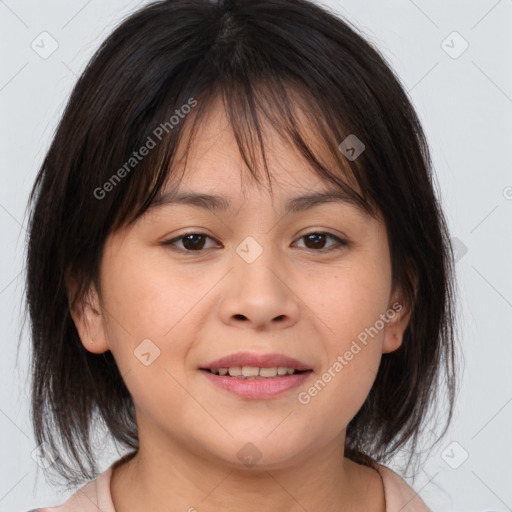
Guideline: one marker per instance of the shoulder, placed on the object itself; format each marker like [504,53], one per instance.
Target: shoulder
[399,495]
[93,496]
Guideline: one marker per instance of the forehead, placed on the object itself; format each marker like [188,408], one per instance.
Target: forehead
[209,162]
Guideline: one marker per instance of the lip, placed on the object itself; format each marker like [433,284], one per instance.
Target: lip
[256,389]
[253,359]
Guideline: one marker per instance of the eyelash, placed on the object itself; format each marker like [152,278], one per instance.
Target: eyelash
[340,242]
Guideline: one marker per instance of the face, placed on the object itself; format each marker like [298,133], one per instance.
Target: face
[189,284]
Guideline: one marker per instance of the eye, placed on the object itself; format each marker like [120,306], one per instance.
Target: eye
[192,242]
[314,239]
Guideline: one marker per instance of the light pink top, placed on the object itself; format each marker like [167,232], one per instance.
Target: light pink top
[95,495]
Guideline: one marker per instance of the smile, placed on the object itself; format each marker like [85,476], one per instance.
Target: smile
[256,386]
[255,372]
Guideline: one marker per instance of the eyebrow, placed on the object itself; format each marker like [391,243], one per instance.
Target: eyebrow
[222,204]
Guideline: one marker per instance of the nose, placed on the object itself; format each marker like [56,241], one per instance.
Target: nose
[259,294]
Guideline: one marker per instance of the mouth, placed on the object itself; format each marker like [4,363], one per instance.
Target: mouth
[254,372]
[252,376]
[251,365]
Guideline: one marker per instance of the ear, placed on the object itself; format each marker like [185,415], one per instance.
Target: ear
[398,316]
[90,322]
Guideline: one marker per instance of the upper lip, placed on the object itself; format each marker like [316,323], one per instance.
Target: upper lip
[259,360]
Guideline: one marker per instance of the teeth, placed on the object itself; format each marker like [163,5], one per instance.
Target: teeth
[254,372]
[268,372]
[249,371]
[235,371]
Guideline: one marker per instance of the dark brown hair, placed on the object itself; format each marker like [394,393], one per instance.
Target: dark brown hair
[263,58]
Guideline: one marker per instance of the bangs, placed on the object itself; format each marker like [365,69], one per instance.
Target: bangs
[283,105]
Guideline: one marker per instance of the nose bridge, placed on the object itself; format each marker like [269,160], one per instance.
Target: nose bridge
[259,261]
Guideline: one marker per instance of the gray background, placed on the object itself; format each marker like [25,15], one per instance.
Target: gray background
[465,104]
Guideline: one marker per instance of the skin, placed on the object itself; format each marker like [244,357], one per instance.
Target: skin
[198,306]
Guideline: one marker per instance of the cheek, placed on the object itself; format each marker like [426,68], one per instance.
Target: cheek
[350,306]
[145,300]
[150,318]
[351,299]
[339,390]
[146,296]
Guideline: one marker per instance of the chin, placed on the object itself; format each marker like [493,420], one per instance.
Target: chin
[259,449]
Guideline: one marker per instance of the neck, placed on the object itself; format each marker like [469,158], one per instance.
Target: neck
[180,478]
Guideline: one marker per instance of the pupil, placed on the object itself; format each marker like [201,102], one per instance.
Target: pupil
[193,245]
[316,242]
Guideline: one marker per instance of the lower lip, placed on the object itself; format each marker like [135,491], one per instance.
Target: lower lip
[255,389]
